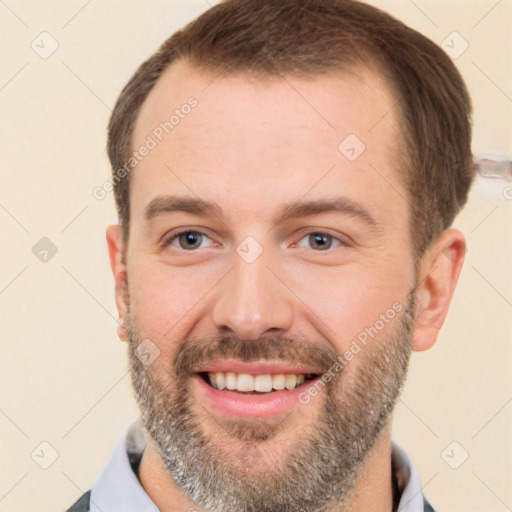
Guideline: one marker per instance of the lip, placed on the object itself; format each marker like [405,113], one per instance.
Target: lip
[241,405]
[256,368]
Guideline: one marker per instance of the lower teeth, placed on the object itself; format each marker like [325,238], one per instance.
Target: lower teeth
[249,392]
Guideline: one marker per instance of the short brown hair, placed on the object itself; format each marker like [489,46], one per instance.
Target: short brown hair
[308,38]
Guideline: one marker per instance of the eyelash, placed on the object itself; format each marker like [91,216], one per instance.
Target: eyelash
[175,236]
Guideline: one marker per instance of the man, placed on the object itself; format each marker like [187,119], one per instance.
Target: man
[286,174]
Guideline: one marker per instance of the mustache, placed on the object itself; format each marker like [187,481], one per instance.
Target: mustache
[195,353]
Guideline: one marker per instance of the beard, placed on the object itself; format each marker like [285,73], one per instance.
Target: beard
[235,468]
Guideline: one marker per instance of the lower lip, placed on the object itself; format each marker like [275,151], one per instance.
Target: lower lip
[244,405]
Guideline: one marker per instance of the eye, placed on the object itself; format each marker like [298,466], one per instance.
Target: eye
[321,241]
[187,240]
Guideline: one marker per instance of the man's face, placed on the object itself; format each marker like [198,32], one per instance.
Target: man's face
[243,287]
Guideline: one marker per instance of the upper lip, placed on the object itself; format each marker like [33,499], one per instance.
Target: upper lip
[256,368]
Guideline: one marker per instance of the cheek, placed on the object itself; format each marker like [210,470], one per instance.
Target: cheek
[163,299]
[351,301]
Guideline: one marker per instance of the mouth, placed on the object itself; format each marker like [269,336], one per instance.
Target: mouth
[258,384]
[253,390]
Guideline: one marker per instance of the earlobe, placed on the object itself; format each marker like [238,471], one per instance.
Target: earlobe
[439,272]
[117,255]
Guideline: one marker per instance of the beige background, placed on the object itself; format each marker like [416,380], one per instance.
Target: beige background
[64,373]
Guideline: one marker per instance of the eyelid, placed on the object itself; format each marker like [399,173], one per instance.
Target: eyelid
[343,240]
[173,234]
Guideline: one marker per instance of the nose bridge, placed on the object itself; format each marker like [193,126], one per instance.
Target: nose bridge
[253,300]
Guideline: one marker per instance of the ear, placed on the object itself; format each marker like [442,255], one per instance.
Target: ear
[439,271]
[117,254]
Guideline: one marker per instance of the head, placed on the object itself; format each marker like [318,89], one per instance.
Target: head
[256,132]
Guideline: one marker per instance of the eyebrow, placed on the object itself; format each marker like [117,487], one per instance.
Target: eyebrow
[161,205]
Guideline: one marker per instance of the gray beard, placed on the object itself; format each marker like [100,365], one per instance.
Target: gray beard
[318,473]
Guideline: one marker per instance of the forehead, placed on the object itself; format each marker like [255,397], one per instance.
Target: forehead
[249,138]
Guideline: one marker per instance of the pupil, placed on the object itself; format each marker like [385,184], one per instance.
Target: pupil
[190,238]
[320,240]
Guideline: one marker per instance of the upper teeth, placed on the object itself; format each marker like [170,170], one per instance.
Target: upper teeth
[247,382]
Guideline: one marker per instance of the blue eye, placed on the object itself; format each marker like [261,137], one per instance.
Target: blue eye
[188,240]
[323,241]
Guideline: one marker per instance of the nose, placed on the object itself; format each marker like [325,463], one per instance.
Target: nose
[253,301]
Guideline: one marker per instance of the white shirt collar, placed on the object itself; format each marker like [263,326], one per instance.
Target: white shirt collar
[411,499]
[117,488]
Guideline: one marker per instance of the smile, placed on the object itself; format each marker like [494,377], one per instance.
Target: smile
[253,390]
[247,383]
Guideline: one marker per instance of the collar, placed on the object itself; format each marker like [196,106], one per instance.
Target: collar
[117,488]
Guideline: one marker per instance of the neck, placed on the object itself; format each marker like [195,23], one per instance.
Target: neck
[373,490]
